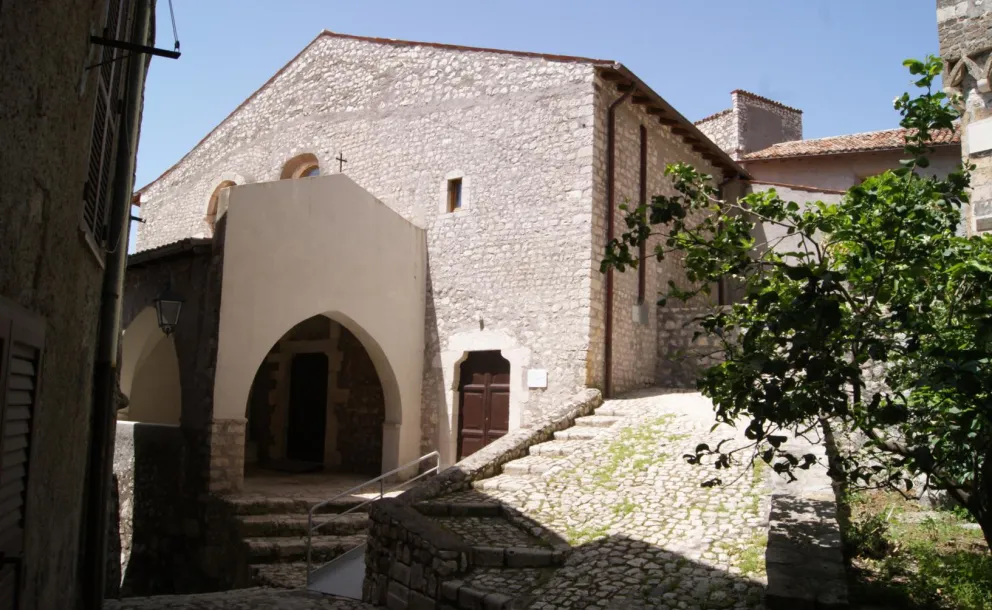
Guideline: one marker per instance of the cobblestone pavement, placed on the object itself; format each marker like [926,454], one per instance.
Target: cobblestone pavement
[644,532]
[242,599]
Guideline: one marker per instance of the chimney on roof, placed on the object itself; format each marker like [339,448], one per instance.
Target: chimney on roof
[762,122]
[752,123]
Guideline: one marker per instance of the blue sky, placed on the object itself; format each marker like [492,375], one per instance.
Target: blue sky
[837,60]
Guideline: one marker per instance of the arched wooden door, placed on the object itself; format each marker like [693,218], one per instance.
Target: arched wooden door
[484,401]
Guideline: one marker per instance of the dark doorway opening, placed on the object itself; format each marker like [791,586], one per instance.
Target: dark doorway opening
[484,401]
[307,408]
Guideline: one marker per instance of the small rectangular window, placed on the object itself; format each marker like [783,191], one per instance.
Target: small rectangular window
[454,194]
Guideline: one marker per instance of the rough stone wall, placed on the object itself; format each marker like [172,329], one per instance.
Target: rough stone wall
[722,129]
[681,358]
[965,31]
[361,416]
[634,343]
[762,122]
[517,129]
[47,268]
[963,26]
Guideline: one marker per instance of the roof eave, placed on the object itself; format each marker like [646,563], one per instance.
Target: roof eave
[189,245]
[692,135]
[838,153]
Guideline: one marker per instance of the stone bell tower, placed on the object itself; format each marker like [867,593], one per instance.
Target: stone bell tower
[965,31]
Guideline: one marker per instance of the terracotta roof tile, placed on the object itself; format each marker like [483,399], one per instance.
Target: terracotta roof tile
[889,139]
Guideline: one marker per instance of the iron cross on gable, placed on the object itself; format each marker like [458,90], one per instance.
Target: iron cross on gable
[341,161]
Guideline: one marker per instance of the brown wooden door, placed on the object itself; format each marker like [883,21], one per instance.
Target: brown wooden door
[484,401]
[307,408]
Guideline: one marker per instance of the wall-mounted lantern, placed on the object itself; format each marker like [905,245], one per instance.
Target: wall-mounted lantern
[168,307]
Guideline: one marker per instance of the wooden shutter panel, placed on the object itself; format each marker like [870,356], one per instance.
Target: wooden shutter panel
[106,121]
[22,337]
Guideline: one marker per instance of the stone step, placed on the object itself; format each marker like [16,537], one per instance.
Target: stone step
[282,575]
[597,421]
[578,433]
[503,482]
[289,525]
[261,505]
[531,464]
[289,550]
[610,410]
[556,448]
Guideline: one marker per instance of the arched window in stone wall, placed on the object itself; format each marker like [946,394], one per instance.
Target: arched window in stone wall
[211,216]
[301,166]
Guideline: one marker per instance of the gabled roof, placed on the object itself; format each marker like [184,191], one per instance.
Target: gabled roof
[610,70]
[872,141]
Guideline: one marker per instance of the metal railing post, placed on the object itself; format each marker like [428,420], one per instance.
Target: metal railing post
[309,543]
[381,480]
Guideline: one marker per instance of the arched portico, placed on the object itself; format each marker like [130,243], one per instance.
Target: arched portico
[324,246]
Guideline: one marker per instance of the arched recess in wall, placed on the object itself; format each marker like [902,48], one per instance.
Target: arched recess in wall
[217,203]
[323,397]
[150,372]
[304,165]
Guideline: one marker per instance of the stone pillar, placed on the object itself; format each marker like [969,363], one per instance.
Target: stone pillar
[965,31]
[227,456]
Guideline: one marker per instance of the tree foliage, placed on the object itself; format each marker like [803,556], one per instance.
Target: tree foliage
[873,314]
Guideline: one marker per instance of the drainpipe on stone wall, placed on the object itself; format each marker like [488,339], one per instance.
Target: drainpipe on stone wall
[610,213]
[721,286]
[104,412]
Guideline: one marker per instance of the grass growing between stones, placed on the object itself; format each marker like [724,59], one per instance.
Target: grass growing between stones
[906,557]
[634,451]
[576,536]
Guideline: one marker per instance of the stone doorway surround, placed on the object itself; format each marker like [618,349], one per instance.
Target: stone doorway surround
[458,348]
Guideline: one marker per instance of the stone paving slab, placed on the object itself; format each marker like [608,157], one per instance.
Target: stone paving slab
[555,448]
[644,532]
[242,599]
[511,582]
[491,531]
[532,464]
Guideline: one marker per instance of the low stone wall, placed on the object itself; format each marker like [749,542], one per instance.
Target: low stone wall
[408,557]
[148,462]
[681,356]
[488,461]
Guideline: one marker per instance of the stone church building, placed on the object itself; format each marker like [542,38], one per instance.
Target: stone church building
[393,247]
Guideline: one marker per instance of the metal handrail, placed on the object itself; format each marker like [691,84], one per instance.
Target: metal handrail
[381,480]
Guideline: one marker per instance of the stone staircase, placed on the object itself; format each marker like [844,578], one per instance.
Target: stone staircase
[486,525]
[545,456]
[274,534]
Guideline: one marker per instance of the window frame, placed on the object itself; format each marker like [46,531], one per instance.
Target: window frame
[455,187]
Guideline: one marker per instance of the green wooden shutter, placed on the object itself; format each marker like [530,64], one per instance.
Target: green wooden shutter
[106,122]
[22,337]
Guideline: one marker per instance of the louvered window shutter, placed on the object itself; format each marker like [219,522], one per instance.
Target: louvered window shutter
[106,121]
[22,337]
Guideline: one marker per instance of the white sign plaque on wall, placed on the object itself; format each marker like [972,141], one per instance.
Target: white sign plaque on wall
[537,378]
[979,136]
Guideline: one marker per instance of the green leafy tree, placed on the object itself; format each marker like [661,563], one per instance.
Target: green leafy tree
[872,315]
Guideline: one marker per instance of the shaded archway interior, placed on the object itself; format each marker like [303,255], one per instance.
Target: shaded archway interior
[316,403]
[150,373]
